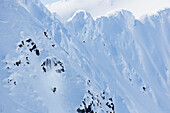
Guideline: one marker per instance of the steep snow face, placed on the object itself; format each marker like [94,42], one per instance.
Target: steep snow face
[36,9]
[112,64]
[25,43]
[153,45]
[127,55]
[13,20]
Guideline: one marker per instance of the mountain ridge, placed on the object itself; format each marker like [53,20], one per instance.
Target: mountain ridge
[124,58]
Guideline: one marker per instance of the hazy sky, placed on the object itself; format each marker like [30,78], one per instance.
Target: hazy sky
[48,1]
[66,8]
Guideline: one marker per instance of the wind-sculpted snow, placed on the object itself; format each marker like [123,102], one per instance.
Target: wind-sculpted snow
[112,64]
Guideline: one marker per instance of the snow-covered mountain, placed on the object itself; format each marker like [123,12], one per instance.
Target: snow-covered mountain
[115,63]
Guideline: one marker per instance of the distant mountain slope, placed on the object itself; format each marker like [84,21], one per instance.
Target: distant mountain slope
[112,64]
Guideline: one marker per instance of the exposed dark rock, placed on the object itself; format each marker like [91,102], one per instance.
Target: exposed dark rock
[22,42]
[37,52]
[28,40]
[50,63]
[15,83]
[45,33]
[144,88]
[96,103]
[18,63]
[44,69]
[54,89]
[20,45]
[62,70]
[53,45]
[34,47]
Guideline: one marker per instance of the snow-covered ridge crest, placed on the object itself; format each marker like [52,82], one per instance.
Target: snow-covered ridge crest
[100,7]
[112,13]
[116,13]
[125,15]
[82,21]
[161,13]
[80,14]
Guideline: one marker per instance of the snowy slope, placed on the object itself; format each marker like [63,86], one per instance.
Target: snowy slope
[114,59]
[129,53]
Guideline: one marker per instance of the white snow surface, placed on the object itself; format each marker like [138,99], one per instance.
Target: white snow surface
[128,59]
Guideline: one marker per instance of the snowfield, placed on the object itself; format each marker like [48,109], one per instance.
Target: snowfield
[112,64]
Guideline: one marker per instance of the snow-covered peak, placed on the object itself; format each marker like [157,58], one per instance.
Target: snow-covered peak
[79,15]
[78,21]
